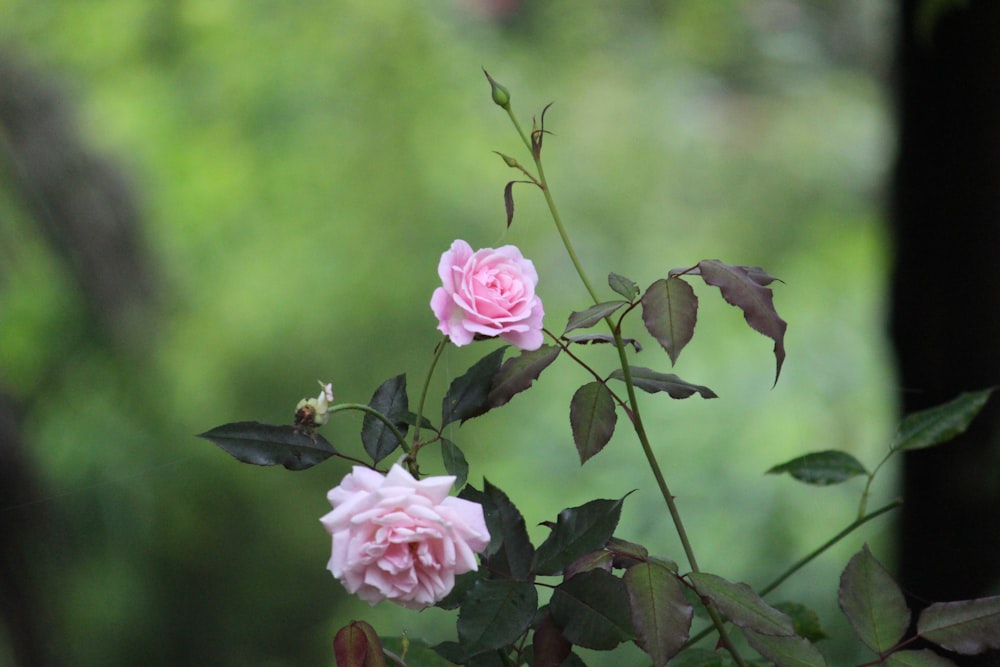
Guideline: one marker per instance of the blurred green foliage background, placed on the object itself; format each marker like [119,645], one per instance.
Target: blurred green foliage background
[300,168]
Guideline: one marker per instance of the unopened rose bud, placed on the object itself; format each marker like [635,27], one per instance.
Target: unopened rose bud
[511,162]
[501,96]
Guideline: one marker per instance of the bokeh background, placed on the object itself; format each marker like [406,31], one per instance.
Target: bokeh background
[294,172]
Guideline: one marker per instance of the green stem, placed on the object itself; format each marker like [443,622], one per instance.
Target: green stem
[438,350]
[372,411]
[815,553]
[544,186]
[627,376]
[854,525]
[863,505]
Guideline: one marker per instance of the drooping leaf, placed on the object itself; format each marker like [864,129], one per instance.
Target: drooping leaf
[454,462]
[872,602]
[577,531]
[508,201]
[549,647]
[739,288]
[585,319]
[622,285]
[495,613]
[268,445]
[697,657]
[924,658]
[467,395]
[760,276]
[654,381]
[592,418]
[583,339]
[805,620]
[391,400]
[967,627]
[821,468]
[755,273]
[357,645]
[592,609]
[941,423]
[785,651]
[661,615]
[517,374]
[670,312]
[741,605]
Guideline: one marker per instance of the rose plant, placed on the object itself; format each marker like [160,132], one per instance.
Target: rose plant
[400,537]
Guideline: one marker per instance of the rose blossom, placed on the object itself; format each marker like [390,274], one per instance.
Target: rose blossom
[400,539]
[490,292]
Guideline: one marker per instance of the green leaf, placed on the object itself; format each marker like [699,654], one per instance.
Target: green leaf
[584,339]
[787,651]
[661,614]
[670,312]
[623,286]
[805,620]
[463,584]
[872,602]
[697,657]
[573,660]
[357,645]
[517,374]
[577,531]
[267,445]
[924,658]
[741,287]
[821,468]
[592,418]
[941,423]
[454,462]
[418,652]
[602,558]
[517,554]
[592,609]
[626,554]
[741,605]
[510,552]
[494,614]
[548,646]
[467,395]
[585,319]
[967,627]
[653,381]
[390,399]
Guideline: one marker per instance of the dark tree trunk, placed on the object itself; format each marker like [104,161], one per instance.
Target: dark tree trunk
[945,321]
[89,217]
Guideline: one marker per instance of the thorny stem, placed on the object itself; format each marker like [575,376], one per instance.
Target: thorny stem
[637,424]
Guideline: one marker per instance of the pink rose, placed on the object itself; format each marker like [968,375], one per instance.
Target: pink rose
[400,539]
[490,292]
